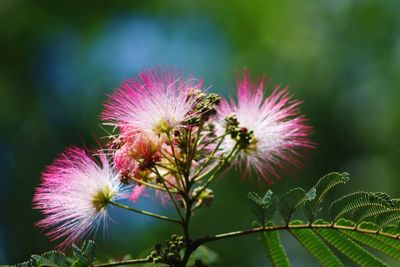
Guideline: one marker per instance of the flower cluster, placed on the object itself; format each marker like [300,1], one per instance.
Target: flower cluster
[172,137]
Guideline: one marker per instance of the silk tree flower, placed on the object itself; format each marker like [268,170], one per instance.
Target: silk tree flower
[74,195]
[154,102]
[278,132]
[137,154]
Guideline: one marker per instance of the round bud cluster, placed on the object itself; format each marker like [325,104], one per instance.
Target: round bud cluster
[168,253]
[206,106]
[211,130]
[241,134]
[209,105]
[232,125]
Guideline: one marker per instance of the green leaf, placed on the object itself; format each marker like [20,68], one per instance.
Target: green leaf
[315,246]
[22,264]
[84,255]
[274,248]
[370,241]
[389,216]
[324,185]
[51,258]
[380,203]
[80,259]
[358,206]
[88,249]
[394,243]
[262,208]
[292,200]
[349,248]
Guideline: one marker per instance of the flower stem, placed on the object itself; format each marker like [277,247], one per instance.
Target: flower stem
[141,182]
[169,193]
[154,215]
[204,165]
[189,247]
[231,155]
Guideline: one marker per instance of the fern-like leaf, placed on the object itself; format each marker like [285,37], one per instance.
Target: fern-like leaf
[274,249]
[315,246]
[262,208]
[358,206]
[394,243]
[22,264]
[292,200]
[51,258]
[380,203]
[358,219]
[389,216]
[372,242]
[324,185]
[349,248]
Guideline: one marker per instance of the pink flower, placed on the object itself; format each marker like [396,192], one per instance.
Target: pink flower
[137,192]
[74,194]
[279,131]
[155,102]
[137,153]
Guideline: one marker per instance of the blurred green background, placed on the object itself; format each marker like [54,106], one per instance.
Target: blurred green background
[58,60]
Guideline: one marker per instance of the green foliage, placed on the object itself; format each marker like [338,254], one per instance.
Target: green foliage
[372,242]
[324,185]
[314,244]
[263,208]
[389,216]
[292,200]
[358,219]
[393,230]
[349,248]
[83,257]
[51,258]
[359,206]
[274,249]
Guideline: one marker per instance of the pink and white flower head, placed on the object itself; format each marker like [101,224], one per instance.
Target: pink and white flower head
[74,194]
[137,153]
[154,102]
[279,133]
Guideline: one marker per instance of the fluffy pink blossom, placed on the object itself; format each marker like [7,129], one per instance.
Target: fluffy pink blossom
[155,101]
[137,192]
[137,153]
[280,133]
[73,195]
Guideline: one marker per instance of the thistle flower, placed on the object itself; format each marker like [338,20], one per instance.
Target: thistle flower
[271,130]
[74,195]
[155,102]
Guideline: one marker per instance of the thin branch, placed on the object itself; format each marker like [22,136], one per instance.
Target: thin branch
[174,154]
[206,239]
[141,182]
[210,141]
[169,193]
[204,165]
[231,155]
[154,215]
[118,263]
[165,167]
